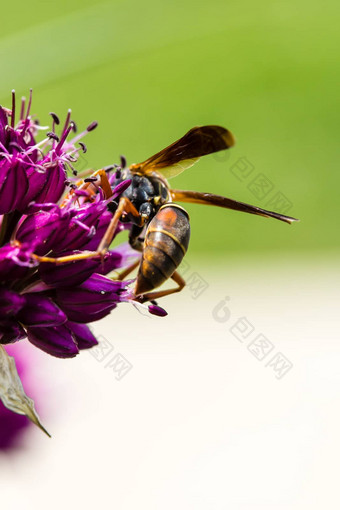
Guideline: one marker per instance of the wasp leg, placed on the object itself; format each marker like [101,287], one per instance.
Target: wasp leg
[91,187]
[161,293]
[104,182]
[124,206]
[121,276]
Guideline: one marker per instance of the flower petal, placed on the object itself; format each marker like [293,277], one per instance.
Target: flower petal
[83,335]
[10,302]
[54,185]
[68,274]
[11,331]
[43,230]
[13,185]
[40,311]
[15,262]
[57,341]
[157,310]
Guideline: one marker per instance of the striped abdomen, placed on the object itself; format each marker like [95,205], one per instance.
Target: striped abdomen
[165,245]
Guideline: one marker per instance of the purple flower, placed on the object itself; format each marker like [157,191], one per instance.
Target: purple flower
[31,171]
[44,217]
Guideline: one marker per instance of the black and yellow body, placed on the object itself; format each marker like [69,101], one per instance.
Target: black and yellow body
[166,242]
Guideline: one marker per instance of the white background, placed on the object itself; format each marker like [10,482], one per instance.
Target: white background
[198,422]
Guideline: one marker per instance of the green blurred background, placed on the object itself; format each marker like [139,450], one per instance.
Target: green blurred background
[149,71]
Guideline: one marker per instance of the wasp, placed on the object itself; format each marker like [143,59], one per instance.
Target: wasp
[160,227]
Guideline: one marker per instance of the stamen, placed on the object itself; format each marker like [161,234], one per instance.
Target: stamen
[92,126]
[55,118]
[27,119]
[63,138]
[68,116]
[13,109]
[52,135]
[83,146]
[22,111]
[69,165]
[29,104]
[75,129]
[89,128]
[71,158]
[122,161]
[37,145]
[157,310]
[109,168]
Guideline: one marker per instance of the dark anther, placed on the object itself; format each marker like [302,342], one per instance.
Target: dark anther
[153,302]
[123,161]
[55,118]
[73,186]
[109,168]
[83,146]
[75,173]
[67,183]
[71,158]
[118,174]
[52,135]
[92,126]
[90,179]
[74,126]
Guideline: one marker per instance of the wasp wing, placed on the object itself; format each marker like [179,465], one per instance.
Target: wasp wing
[184,153]
[196,197]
